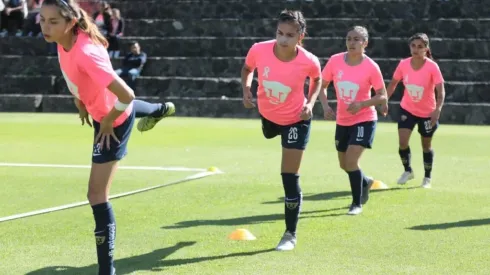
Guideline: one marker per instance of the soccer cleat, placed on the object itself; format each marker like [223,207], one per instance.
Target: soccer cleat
[148,122]
[365,191]
[354,210]
[288,242]
[426,183]
[406,176]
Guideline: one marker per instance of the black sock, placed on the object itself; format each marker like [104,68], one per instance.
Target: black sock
[405,156]
[105,236]
[365,180]
[143,108]
[292,200]
[355,178]
[428,160]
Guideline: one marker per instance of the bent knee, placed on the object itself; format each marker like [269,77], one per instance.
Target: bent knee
[351,164]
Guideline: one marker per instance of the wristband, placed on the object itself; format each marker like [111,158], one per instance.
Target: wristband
[120,106]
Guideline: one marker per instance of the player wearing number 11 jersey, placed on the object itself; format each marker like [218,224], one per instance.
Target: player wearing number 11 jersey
[282,66]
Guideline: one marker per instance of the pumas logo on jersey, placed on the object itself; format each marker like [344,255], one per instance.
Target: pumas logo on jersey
[276,91]
[415,92]
[347,91]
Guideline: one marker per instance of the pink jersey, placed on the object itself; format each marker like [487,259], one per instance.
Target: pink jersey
[88,71]
[419,97]
[280,94]
[353,84]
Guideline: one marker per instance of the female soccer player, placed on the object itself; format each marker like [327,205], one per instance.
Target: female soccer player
[100,93]
[282,65]
[354,74]
[420,75]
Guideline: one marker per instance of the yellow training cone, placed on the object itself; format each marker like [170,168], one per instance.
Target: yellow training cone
[241,235]
[378,185]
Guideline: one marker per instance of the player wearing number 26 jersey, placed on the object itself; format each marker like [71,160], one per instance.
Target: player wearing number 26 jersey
[282,66]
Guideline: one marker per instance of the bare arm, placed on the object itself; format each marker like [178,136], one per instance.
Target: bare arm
[247,77]
[441,94]
[323,93]
[391,87]
[378,99]
[124,94]
[315,88]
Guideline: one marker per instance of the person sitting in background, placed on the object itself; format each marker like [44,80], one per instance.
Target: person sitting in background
[132,64]
[102,18]
[117,32]
[31,24]
[13,17]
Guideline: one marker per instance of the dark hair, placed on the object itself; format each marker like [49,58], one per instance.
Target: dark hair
[425,39]
[70,10]
[361,30]
[296,17]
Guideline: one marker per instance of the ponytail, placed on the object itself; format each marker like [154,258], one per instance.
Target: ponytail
[429,54]
[87,25]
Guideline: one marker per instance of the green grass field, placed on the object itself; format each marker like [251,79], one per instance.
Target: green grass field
[183,229]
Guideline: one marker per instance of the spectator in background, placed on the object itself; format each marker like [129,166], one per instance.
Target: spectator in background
[102,18]
[117,32]
[132,64]
[13,17]
[31,24]
[2,8]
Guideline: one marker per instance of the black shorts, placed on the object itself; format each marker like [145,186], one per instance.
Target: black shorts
[358,134]
[294,136]
[117,150]
[407,121]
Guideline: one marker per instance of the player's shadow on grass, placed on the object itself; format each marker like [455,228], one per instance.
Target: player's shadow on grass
[335,195]
[449,225]
[153,261]
[253,219]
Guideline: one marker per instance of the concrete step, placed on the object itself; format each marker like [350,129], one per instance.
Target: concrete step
[318,8]
[234,27]
[217,46]
[452,113]
[452,69]
[466,92]
[33,84]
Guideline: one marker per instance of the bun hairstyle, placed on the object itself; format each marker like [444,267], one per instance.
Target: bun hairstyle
[296,17]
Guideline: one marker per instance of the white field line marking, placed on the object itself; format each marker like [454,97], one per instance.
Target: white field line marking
[72,205]
[150,168]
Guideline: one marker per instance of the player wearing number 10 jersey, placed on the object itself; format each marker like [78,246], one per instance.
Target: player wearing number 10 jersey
[353,75]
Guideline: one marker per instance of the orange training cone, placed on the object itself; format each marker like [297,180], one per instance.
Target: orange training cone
[378,185]
[241,235]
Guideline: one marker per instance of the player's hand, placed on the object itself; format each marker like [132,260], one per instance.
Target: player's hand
[84,116]
[105,133]
[248,99]
[434,117]
[307,112]
[384,109]
[328,113]
[354,107]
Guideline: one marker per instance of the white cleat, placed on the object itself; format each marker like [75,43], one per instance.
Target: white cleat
[406,176]
[354,210]
[426,183]
[288,242]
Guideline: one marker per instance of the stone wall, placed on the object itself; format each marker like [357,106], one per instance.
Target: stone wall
[196,50]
